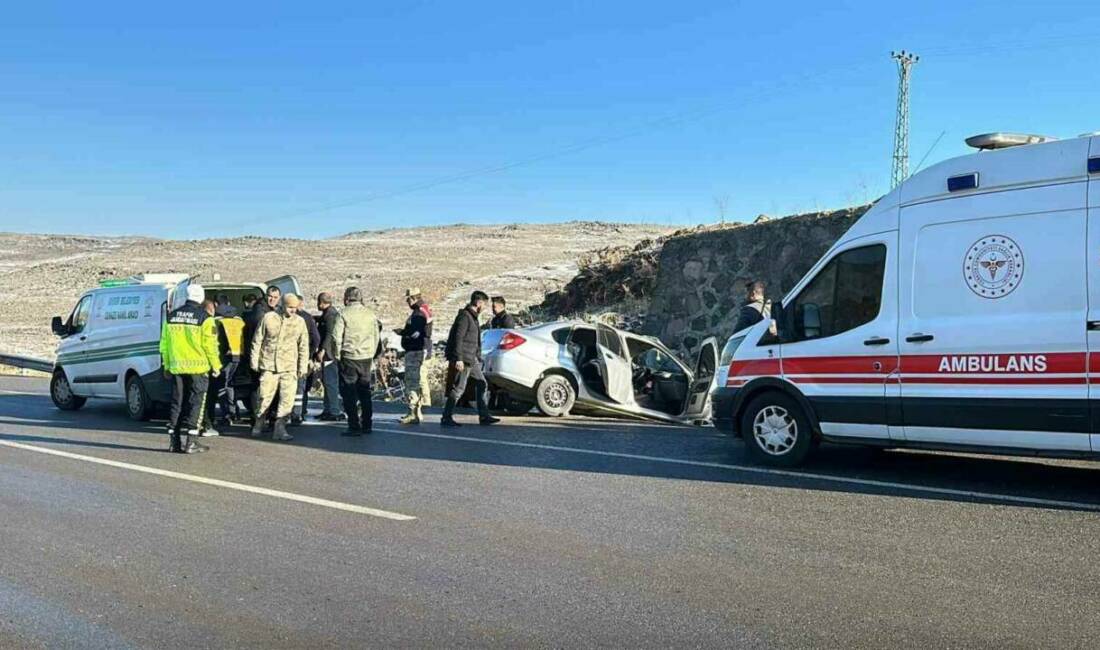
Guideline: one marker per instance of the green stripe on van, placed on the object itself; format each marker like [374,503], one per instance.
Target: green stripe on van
[145,348]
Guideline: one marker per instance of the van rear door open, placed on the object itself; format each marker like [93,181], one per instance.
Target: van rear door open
[286,284]
[992,315]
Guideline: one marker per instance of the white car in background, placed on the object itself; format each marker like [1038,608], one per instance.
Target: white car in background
[574,366]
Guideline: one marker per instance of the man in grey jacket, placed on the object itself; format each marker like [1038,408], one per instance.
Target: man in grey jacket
[355,338]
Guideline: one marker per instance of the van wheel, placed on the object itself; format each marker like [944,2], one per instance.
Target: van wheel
[555,395]
[776,431]
[138,405]
[62,393]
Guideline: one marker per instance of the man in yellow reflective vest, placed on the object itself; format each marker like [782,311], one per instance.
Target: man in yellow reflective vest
[189,352]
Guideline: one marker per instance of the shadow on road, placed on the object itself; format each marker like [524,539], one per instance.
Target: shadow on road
[624,448]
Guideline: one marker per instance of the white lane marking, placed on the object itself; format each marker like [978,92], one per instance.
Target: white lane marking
[290,496]
[23,392]
[912,487]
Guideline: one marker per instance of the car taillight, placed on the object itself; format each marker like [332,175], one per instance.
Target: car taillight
[511,341]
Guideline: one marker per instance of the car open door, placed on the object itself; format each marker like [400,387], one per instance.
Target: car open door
[614,366]
[698,397]
[286,284]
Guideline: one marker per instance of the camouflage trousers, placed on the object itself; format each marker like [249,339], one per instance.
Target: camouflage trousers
[283,383]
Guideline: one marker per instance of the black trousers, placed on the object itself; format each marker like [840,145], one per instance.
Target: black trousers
[188,402]
[470,371]
[355,389]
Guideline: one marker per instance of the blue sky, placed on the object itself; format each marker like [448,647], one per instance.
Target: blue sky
[314,119]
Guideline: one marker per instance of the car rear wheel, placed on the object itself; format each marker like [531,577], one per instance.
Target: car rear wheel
[555,395]
[776,430]
[62,393]
[138,405]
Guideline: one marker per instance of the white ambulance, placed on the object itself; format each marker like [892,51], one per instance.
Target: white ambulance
[962,311]
[110,342]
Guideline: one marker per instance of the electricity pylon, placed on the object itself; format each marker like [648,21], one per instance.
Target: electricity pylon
[900,170]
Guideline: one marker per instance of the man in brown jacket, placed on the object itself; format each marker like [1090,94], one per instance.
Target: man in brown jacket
[280,355]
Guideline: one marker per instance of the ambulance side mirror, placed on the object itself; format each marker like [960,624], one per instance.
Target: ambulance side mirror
[782,322]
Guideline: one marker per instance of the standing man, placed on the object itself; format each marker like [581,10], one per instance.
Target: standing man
[755,309]
[464,359]
[355,340]
[326,355]
[301,398]
[280,355]
[230,343]
[416,338]
[502,320]
[189,353]
[252,319]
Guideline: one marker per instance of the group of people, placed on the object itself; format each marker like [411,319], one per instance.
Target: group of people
[277,349]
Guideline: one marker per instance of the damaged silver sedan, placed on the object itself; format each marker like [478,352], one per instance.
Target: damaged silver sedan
[578,367]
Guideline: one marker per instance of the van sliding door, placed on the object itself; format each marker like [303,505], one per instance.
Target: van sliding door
[992,319]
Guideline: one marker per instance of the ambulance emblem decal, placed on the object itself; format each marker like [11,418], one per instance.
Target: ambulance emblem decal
[994,266]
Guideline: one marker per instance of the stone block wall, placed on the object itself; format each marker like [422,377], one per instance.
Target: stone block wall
[701,274]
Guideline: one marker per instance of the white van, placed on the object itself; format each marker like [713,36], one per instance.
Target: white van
[962,311]
[110,343]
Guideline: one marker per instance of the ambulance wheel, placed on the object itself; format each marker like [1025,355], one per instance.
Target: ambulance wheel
[555,395]
[776,431]
[138,405]
[62,393]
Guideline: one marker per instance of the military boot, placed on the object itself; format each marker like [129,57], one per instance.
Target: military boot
[279,433]
[413,416]
[257,426]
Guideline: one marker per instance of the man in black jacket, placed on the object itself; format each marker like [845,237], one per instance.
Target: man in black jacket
[502,320]
[416,339]
[463,354]
[305,384]
[330,370]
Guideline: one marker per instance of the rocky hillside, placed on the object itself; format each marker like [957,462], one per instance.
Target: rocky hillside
[690,285]
[42,275]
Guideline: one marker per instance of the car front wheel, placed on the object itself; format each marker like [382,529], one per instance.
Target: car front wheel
[555,395]
[62,393]
[776,430]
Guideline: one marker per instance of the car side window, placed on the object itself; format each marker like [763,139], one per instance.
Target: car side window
[81,315]
[845,294]
[610,340]
[561,335]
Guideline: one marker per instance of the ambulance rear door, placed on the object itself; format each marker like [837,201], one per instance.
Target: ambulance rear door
[1092,260]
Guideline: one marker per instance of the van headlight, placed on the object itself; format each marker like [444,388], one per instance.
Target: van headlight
[727,352]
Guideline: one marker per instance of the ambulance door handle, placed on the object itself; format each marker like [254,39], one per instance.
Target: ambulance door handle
[83,338]
[919,338]
[876,340]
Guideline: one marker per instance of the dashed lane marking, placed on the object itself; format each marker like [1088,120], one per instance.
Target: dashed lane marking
[830,478]
[241,487]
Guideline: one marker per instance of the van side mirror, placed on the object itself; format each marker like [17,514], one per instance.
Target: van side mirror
[811,321]
[58,326]
[782,322]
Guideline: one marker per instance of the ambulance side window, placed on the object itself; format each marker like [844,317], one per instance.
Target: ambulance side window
[81,315]
[845,294]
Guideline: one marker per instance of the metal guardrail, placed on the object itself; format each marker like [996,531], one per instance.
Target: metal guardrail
[30,363]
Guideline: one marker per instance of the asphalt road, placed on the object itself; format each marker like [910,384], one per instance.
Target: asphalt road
[537,533]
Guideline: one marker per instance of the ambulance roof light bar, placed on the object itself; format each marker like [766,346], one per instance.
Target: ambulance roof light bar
[999,140]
